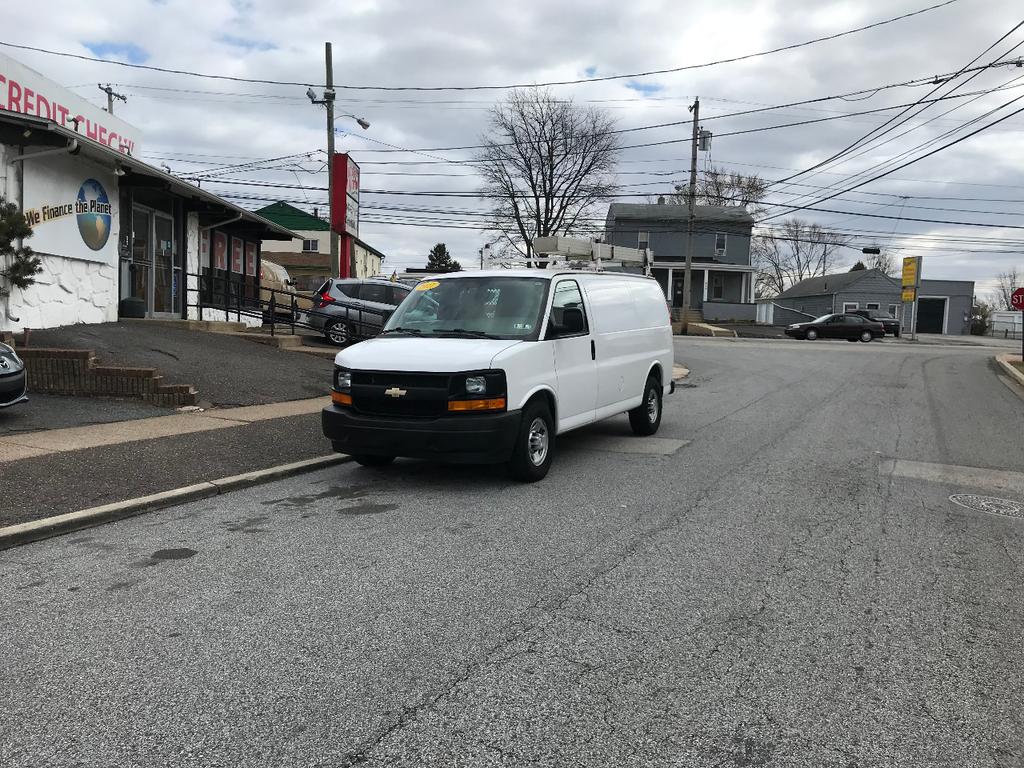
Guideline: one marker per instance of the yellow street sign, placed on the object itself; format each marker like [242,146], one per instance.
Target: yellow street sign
[908,295]
[910,267]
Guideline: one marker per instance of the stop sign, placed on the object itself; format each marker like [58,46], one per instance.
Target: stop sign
[1017,299]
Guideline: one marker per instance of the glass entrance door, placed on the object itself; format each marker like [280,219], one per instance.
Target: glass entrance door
[152,274]
[140,266]
[163,273]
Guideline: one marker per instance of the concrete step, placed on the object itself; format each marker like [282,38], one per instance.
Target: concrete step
[212,326]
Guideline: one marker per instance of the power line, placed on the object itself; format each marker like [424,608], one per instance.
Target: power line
[904,165]
[633,75]
[940,84]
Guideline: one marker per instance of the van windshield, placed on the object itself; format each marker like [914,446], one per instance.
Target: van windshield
[473,307]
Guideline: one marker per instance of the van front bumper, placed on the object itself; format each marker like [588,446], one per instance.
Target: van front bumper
[463,439]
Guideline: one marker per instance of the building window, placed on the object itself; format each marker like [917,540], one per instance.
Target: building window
[720,240]
[893,309]
[643,240]
[311,246]
[717,287]
[849,306]
[871,305]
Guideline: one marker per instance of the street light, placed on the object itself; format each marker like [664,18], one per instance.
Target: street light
[328,102]
[363,123]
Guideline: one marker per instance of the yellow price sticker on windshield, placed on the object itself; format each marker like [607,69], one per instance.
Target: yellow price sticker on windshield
[427,285]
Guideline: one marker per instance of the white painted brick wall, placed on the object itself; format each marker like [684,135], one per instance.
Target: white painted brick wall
[66,292]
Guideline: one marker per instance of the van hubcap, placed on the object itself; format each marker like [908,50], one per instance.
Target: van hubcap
[652,406]
[537,442]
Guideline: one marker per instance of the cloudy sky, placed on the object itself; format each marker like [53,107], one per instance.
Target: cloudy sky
[194,124]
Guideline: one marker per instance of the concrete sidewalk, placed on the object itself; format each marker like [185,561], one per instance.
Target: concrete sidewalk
[34,444]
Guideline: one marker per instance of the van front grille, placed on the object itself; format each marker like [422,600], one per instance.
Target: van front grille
[417,395]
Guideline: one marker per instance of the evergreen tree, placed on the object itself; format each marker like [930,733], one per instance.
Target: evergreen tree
[22,265]
[858,266]
[439,260]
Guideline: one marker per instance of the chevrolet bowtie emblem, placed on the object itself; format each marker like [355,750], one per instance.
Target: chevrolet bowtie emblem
[394,392]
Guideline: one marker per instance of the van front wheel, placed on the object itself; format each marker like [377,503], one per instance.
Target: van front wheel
[535,444]
[646,417]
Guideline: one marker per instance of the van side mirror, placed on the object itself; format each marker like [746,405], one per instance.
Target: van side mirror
[572,323]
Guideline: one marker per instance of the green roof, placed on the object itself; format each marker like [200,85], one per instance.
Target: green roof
[290,217]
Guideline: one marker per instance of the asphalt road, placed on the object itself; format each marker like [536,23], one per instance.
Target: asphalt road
[793,587]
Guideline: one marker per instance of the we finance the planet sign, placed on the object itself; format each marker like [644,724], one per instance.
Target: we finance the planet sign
[91,208]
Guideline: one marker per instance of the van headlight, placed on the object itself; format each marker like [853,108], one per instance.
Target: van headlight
[342,380]
[476,385]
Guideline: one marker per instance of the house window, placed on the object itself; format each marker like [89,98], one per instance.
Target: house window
[717,287]
[871,305]
[849,306]
[892,310]
[311,246]
[720,239]
[643,238]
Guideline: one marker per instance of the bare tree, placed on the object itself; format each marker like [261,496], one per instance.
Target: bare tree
[547,164]
[725,188]
[796,251]
[884,263]
[1006,283]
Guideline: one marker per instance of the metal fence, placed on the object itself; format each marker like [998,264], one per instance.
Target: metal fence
[279,310]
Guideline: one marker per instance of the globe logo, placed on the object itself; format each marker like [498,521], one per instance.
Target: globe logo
[93,213]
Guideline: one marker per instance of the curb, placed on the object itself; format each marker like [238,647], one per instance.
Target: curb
[679,372]
[25,533]
[1004,362]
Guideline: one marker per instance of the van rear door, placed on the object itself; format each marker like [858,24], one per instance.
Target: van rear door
[575,368]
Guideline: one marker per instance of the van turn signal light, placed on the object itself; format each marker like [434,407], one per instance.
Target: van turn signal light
[341,398]
[494,404]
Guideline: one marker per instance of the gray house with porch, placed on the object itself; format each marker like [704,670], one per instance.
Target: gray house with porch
[722,285]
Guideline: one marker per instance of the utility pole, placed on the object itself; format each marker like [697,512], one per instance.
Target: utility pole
[329,103]
[688,274]
[111,95]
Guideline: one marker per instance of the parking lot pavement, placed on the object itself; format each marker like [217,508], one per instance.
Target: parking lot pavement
[61,411]
[762,584]
[227,370]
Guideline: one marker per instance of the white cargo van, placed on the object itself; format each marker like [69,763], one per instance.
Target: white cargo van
[489,366]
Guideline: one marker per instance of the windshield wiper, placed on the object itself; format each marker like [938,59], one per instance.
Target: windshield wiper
[414,331]
[464,332]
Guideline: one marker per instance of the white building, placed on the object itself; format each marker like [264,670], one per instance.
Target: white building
[117,237]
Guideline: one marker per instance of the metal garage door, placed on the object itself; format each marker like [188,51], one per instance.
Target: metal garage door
[930,313]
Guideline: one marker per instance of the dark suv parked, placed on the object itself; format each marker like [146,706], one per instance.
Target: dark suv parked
[890,323]
[349,310]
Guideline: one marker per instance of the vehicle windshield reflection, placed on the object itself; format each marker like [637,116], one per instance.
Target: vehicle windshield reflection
[474,307]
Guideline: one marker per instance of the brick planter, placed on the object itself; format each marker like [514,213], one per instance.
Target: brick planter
[75,372]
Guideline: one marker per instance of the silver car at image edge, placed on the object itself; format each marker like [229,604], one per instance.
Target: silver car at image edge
[12,378]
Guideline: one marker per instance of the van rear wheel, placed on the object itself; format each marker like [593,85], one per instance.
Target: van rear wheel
[646,417]
[535,444]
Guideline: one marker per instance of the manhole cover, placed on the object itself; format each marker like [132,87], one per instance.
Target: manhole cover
[989,504]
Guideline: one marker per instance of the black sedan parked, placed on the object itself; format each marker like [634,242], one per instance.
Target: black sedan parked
[12,377]
[843,326]
[890,323]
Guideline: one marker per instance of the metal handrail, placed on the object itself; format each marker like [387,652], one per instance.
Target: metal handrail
[241,296]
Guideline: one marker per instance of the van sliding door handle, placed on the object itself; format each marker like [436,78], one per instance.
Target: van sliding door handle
[593,350]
